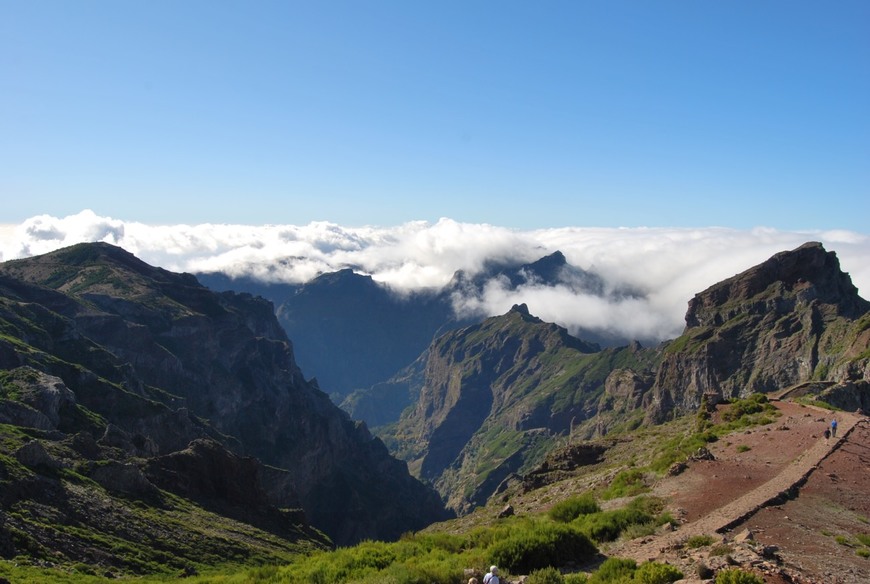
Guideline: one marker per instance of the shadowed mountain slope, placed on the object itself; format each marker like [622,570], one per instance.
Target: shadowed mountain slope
[153,360]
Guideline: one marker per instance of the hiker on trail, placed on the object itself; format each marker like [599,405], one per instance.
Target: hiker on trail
[827,434]
[834,428]
[472,581]
[491,576]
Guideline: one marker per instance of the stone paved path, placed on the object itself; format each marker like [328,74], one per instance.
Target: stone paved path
[739,509]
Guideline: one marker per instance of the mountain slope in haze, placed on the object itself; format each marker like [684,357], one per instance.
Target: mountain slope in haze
[160,360]
[495,398]
[351,332]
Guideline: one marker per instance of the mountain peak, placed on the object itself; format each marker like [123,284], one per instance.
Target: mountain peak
[521,308]
[808,273]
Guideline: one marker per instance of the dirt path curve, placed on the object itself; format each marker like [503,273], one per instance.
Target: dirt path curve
[734,512]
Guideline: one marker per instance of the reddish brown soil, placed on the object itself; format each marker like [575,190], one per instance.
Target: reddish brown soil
[835,501]
[830,498]
[712,483]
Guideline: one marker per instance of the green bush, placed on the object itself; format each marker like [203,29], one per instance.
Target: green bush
[842,540]
[576,578]
[609,525]
[737,577]
[548,575]
[540,546]
[754,404]
[863,538]
[573,507]
[697,541]
[655,573]
[614,571]
[625,484]
[863,552]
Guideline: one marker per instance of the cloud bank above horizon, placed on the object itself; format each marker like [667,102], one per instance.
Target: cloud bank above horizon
[665,266]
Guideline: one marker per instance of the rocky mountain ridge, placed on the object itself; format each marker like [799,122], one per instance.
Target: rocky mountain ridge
[155,362]
[794,318]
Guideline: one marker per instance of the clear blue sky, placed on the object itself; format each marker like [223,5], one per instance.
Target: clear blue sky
[520,114]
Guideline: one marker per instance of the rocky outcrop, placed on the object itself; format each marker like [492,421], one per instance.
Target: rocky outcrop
[793,318]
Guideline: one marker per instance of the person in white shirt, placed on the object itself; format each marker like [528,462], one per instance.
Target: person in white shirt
[491,576]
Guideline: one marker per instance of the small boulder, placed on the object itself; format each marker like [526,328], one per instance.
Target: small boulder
[743,537]
[33,455]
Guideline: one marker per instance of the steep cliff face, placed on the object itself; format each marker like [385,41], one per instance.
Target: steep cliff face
[221,361]
[793,318]
[494,399]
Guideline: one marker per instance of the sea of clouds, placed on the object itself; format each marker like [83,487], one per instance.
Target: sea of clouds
[665,267]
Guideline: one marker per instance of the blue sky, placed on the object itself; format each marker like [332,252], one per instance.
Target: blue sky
[519,114]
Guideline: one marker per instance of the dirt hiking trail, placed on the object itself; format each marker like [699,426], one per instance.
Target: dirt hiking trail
[751,470]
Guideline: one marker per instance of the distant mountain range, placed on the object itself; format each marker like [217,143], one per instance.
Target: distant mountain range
[351,332]
[141,411]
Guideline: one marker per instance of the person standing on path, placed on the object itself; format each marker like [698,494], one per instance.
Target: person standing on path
[491,576]
[834,428]
[827,434]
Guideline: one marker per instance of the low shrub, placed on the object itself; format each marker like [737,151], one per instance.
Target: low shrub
[639,530]
[625,484]
[737,577]
[640,517]
[576,578]
[614,571]
[540,546]
[573,507]
[656,573]
[609,525]
[697,541]
[548,575]
[863,538]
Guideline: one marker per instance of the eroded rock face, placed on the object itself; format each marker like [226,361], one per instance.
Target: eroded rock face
[793,318]
[40,399]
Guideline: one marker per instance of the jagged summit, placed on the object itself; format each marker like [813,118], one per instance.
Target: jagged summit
[808,273]
[793,318]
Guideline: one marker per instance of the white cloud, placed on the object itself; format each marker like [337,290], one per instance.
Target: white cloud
[666,266]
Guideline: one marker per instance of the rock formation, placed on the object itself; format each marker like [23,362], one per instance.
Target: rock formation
[794,318]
